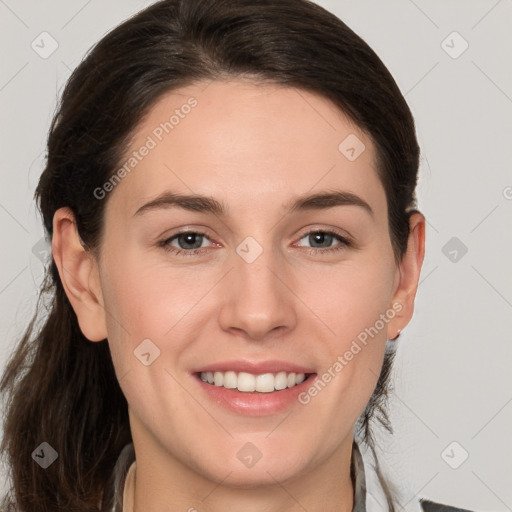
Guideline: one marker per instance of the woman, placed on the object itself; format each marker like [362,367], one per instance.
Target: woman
[229,192]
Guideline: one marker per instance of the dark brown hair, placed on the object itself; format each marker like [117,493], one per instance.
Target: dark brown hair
[58,386]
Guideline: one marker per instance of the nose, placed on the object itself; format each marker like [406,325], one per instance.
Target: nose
[257,300]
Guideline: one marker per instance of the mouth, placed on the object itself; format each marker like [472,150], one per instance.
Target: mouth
[254,388]
[246,382]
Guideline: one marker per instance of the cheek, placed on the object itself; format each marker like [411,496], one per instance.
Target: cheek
[354,303]
[142,308]
[352,298]
[144,299]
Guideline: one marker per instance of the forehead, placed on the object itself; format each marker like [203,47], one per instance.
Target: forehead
[246,142]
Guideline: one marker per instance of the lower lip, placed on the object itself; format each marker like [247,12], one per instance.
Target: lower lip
[255,403]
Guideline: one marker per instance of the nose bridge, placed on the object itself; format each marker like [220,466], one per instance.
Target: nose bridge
[257,301]
[253,270]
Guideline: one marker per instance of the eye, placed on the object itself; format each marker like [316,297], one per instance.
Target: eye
[188,243]
[321,241]
[191,243]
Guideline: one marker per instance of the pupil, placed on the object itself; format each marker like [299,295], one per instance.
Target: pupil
[322,237]
[189,240]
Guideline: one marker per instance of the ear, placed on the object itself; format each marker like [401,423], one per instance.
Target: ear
[408,274]
[79,274]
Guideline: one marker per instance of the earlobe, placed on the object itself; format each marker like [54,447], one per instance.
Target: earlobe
[79,275]
[408,275]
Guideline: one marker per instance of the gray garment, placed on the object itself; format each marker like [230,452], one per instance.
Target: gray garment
[357,474]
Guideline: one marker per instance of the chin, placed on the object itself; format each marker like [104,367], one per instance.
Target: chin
[262,474]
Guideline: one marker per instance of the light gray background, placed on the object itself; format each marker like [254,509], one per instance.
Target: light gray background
[452,373]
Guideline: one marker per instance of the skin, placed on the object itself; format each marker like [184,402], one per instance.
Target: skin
[253,147]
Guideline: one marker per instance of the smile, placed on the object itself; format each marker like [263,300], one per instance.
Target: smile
[248,382]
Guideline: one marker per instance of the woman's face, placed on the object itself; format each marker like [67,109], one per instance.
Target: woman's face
[249,287]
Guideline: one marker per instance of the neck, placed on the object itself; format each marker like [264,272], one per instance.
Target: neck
[163,482]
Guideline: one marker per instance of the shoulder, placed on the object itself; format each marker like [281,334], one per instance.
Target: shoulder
[431,506]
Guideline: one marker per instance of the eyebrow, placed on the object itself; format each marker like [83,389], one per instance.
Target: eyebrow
[206,204]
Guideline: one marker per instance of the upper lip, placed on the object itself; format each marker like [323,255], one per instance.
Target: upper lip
[254,367]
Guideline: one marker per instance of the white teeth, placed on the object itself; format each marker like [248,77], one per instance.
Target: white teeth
[218,378]
[300,377]
[230,380]
[265,383]
[281,381]
[247,382]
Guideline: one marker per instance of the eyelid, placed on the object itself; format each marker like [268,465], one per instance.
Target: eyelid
[345,241]
[166,241]
[328,230]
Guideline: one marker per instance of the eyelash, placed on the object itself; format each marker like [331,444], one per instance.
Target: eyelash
[344,243]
